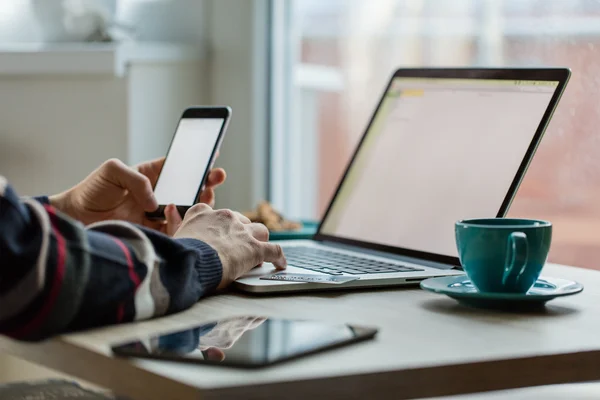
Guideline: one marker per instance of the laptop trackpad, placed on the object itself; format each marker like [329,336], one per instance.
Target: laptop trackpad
[310,278]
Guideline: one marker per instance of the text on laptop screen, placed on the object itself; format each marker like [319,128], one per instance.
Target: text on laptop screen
[438,150]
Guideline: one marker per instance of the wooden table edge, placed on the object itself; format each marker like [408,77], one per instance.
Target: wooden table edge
[124,378]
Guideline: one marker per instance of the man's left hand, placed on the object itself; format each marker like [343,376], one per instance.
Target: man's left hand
[117,191]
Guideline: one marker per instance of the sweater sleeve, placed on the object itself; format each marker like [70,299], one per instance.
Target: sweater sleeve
[57,276]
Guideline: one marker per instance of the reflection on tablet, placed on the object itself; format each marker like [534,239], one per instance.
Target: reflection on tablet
[245,341]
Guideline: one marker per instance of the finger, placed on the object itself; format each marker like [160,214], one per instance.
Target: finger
[273,253]
[135,182]
[173,218]
[151,169]
[258,231]
[216,177]
[154,164]
[214,354]
[207,197]
[157,225]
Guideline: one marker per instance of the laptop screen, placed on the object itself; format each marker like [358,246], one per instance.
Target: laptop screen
[437,150]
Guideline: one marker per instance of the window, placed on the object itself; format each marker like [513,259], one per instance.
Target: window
[331,60]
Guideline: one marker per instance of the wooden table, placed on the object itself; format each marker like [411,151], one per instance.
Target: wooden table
[428,346]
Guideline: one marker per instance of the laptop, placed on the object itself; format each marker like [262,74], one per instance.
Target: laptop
[442,145]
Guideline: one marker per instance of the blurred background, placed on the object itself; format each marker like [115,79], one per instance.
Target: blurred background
[85,80]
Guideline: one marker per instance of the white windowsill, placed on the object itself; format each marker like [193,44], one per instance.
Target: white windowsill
[90,58]
[551,26]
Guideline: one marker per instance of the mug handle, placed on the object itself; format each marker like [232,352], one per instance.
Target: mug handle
[516,258]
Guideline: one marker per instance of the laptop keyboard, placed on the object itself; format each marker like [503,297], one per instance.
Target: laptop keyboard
[334,263]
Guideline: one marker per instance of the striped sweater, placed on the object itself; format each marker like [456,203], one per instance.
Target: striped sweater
[57,275]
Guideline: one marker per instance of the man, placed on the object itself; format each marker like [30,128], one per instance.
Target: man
[89,257]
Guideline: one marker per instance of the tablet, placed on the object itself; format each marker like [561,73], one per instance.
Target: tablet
[246,342]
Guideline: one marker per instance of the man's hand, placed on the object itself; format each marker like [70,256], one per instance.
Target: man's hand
[117,191]
[228,331]
[241,245]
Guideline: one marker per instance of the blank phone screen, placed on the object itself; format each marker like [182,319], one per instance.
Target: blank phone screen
[187,161]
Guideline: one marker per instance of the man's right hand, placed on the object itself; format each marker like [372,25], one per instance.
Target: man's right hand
[241,245]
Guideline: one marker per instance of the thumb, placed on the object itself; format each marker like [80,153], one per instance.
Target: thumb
[136,183]
[173,219]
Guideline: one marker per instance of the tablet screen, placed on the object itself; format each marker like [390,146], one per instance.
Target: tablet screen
[245,341]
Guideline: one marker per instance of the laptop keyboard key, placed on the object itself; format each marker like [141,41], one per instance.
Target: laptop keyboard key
[353,271]
[334,263]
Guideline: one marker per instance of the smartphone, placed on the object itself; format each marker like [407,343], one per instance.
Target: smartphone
[246,341]
[190,157]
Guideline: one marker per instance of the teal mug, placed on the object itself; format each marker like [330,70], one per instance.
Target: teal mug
[503,254]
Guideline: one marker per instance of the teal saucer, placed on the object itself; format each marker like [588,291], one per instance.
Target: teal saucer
[460,288]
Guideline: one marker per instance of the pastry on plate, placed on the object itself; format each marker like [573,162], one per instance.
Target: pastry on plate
[271,218]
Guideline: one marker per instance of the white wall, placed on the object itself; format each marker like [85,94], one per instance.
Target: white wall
[84,120]
[158,93]
[238,77]
[55,130]
[164,20]
[152,20]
